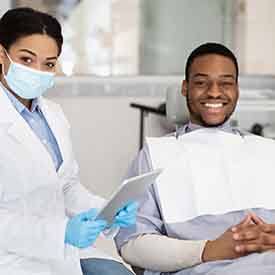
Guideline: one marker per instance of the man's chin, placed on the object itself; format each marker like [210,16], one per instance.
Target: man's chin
[214,124]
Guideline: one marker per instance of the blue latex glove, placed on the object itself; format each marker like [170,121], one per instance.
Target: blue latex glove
[82,230]
[127,215]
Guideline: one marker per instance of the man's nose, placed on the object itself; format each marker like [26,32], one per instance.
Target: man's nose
[214,90]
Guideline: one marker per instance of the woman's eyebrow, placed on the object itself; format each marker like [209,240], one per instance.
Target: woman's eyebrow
[34,54]
[28,51]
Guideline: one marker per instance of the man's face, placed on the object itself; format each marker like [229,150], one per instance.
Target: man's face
[212,90]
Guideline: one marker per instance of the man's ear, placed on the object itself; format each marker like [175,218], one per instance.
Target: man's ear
[184,88]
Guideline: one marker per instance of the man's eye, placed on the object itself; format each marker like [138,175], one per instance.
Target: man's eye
[227,84]
[200,83]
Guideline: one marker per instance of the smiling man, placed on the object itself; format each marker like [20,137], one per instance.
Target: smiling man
[211,86]
[211,210]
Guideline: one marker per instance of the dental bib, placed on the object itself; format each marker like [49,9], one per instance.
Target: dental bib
[212,172]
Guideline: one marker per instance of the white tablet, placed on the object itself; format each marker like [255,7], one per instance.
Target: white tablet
[130,190]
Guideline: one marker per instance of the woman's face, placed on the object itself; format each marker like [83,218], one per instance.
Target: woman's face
[37,51]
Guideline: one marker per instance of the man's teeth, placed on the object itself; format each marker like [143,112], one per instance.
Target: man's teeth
[213,105]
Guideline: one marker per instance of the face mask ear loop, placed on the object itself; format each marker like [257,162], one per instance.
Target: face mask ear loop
[7,54]
[2,65]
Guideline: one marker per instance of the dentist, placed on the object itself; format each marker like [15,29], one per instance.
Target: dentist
[47,216]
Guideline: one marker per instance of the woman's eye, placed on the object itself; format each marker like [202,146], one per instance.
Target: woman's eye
[26,60]
[50,65]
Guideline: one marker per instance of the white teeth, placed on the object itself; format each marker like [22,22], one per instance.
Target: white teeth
[213,105]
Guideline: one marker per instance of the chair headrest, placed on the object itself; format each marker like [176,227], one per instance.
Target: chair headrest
[176,107]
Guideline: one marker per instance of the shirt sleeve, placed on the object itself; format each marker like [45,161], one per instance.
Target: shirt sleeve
[141,164]
[148,217]
[175,254]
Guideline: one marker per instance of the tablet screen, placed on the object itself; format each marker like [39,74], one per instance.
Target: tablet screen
[130,190]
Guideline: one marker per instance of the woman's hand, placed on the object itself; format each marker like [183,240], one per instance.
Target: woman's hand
[126,216]
[82,230]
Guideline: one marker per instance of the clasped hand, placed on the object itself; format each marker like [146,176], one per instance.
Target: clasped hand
[252,234]
[83,229]
[257,236]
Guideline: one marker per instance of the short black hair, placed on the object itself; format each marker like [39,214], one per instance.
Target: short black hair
[210,48]
[20,22]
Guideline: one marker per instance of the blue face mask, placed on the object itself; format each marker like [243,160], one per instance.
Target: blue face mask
[26,82]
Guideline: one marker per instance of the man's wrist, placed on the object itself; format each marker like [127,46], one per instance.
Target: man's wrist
[207,252]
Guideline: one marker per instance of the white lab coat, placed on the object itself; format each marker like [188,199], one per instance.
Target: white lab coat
[35,200]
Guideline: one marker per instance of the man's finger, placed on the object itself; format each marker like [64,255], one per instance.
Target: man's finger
[250,248]
[248,235]
[245,222]
[256,219]
[268,228]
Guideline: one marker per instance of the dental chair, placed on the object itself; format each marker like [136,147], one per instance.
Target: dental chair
[176,108]
[176,113]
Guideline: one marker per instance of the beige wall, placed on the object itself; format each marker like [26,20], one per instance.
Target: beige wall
[254,36]
[105,132]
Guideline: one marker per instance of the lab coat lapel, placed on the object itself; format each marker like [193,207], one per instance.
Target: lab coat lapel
[54,122]
[18,129]
[22,133]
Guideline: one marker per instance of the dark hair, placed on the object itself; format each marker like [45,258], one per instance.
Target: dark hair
[210,48]
[21,22]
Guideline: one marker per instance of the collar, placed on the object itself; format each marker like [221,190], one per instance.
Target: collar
[20,107]
[226,127]
[191,127]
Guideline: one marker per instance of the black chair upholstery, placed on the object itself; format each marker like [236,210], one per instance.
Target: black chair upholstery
[137,270]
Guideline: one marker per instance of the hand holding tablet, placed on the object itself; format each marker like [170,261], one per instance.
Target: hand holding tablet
[130,190]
